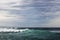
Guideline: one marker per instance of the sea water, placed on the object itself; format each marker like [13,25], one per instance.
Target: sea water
[30,34]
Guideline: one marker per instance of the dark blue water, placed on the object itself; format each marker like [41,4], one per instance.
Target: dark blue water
[30,35]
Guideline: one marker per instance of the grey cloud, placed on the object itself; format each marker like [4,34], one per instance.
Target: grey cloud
[35,13]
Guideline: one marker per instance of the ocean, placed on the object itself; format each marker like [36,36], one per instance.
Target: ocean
[30,34]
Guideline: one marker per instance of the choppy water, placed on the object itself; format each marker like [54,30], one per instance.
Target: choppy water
[30,35]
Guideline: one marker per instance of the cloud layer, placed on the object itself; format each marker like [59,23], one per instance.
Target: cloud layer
[30,13]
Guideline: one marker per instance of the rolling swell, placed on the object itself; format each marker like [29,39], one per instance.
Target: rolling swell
[30,35]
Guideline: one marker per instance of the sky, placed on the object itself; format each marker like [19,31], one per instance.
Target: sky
[30,13]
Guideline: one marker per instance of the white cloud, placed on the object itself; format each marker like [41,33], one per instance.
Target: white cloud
[5,16]
[5,4]
[54,21]
[7,19]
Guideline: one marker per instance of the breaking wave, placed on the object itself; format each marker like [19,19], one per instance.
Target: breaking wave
[28,34]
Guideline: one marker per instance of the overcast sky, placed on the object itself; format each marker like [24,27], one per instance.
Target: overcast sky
[30,13]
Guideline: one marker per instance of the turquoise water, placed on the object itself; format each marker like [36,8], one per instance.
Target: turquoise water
[30,35]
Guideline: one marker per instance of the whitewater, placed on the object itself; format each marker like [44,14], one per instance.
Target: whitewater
[12,30]
[28,34]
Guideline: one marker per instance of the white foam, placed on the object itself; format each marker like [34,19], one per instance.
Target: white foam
[12,30]
[56,31]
